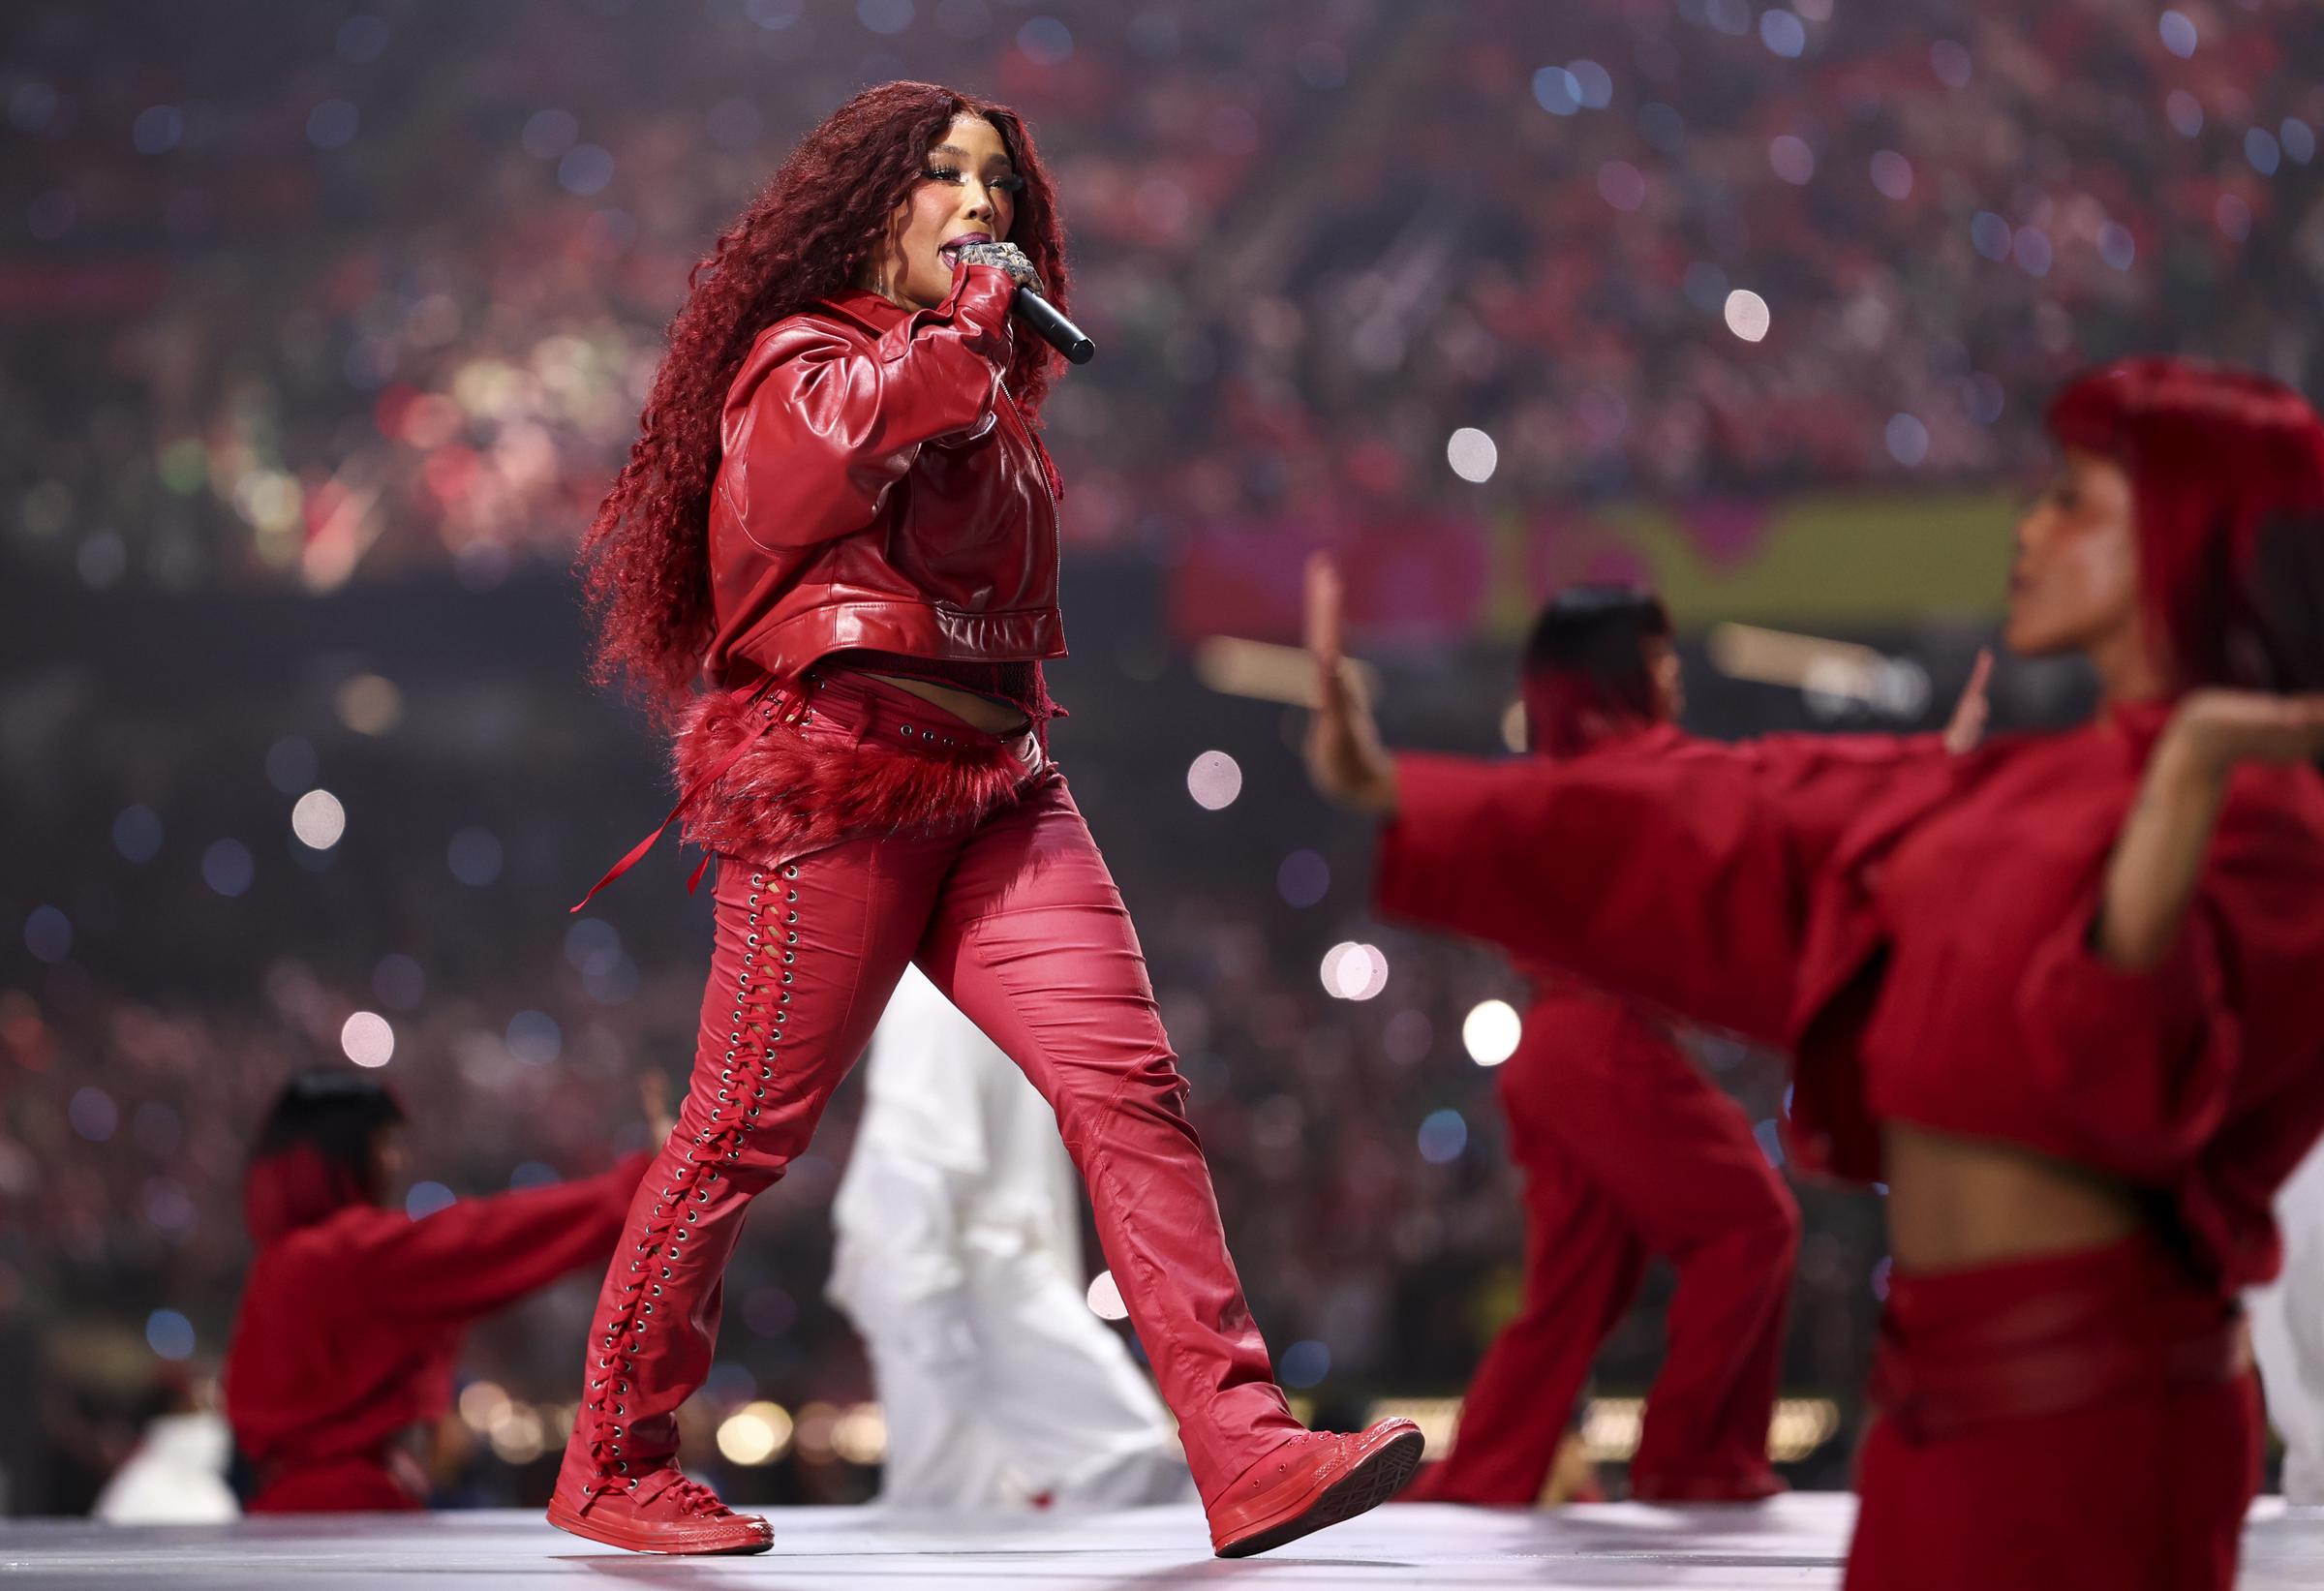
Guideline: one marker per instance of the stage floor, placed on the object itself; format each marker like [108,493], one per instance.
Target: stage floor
[1793,1540]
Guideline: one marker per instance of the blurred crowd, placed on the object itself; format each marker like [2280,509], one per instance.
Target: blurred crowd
[326,291]
[339,315]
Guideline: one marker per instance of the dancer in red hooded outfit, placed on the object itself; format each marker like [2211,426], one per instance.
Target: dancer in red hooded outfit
[838,521]
[1629,1151]
[342,1355]
[2060,994]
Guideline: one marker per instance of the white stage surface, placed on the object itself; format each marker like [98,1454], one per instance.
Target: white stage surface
[1794,1540]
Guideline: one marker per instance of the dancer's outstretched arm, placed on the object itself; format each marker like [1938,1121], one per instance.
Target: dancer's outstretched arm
[1671,877]
[479,1255]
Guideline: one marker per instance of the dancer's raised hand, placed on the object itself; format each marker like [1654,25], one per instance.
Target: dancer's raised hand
[1345,758]
[2218,729]
[2159,859]
[1967,726]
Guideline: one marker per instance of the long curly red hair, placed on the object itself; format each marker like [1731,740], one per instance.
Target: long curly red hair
[645,562]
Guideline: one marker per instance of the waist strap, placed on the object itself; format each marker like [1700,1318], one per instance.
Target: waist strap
[776,705]
[2052,1351]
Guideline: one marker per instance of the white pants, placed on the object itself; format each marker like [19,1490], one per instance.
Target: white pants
[2288,1333]
[958,1259]
[176,1475]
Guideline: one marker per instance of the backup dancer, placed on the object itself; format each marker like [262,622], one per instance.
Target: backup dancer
[341,1360]
[2060,994]
[840,522]
[1629,1151]
[959,1258]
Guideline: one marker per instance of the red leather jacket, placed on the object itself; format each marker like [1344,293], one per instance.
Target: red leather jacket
[880,490]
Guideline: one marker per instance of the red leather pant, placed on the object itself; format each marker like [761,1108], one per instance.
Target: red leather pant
[1017,921]
[1629,1151]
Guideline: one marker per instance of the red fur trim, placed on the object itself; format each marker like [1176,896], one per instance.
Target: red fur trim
[788,796]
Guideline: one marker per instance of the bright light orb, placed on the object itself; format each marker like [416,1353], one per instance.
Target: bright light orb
[1747,315]
[1490,1032]
[319,820]
[1105,1298]
[1214,780]
[1473,455]
[368,1039]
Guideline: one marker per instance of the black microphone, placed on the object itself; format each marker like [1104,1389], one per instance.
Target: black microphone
[1056,330]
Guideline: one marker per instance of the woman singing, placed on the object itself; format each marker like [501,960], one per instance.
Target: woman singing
[2059,993]
[840,522]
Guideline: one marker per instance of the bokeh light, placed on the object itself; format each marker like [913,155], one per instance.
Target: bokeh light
[1214,780]
[535,1038]
[369,704]
[333,124]
[1303,879]
[1443,1135]
[1555,90]
[2183,111]
[756,1434]
[1473,454]
[1908,438]
[1046,40]
[319,820]
[860,1435]
[1353,971]
[47,934]
[367,1039]
[170,1334]
[93,1115]
[1790,159]
[138,834]
[1783,33]
[1747,315]
[291,764]
[1621,185]
[1892,175]
[227,868]
[475,857]
[1303,1365]
[1105,1298]
[1490,1032]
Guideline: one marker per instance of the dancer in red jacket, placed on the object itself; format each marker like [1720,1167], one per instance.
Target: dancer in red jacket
[838,519]
[1629,1151]
[342,1355]
[2058,994]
